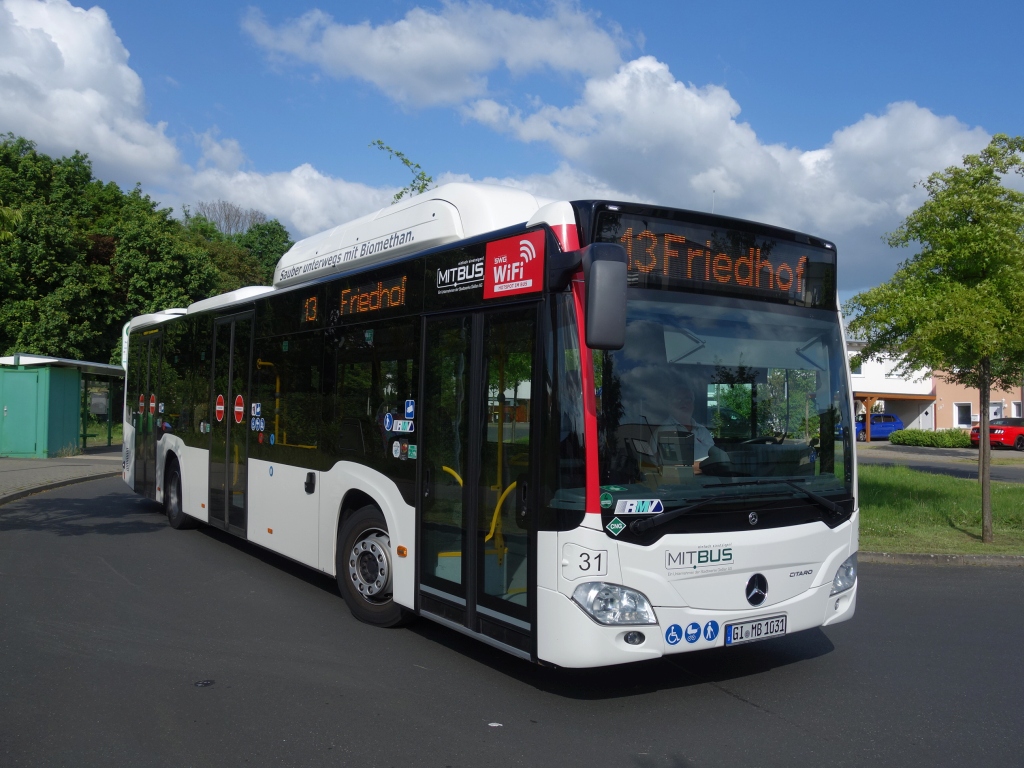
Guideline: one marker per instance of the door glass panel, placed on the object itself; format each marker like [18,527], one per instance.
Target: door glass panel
[445,452]
[238,423]
[218,424]
[505,471]
[145,479]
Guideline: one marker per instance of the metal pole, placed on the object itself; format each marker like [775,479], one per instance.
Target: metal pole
[110,412]
[85,409]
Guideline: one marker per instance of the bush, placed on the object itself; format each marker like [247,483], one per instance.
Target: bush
[943,438]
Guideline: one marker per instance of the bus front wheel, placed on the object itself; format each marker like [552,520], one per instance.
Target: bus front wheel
[364,569]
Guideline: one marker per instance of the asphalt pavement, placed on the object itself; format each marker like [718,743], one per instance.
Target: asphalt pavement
[125,642]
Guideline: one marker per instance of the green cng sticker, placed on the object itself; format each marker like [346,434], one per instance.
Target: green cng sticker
[615,526]
[606,500]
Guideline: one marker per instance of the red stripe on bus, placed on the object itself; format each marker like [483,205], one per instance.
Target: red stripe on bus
[593,492]
[567,236]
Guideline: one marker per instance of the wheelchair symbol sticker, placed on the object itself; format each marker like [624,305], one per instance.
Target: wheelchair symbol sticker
[673,634]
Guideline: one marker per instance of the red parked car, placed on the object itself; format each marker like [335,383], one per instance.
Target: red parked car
[1006,433]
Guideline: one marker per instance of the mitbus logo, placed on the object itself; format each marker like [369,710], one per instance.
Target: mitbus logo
[514,265]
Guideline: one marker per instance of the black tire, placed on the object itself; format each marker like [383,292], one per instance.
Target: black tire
[172,498]
[364,569]
[1018,444]
[861,437]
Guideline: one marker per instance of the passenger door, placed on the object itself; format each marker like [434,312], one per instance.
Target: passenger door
[475,533]
[229,420]
[145,356]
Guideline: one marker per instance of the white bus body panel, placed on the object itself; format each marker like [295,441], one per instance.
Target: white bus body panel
[195,481]
[282,516]
[569,637]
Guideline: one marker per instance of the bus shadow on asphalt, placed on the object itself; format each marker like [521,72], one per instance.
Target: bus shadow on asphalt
[105,515]
[683,670]
[280,562]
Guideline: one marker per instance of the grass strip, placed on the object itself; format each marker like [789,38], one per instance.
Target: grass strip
[904,510]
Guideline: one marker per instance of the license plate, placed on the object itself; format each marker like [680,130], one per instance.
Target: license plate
[755,629]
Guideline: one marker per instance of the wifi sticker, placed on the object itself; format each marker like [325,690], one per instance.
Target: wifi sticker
[514,265]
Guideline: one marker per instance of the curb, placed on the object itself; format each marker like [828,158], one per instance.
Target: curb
[896,558]
[51,486]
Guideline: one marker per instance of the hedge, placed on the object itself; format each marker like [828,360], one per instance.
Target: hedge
[943,438]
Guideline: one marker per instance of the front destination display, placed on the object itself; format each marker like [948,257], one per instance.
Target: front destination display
[583,432]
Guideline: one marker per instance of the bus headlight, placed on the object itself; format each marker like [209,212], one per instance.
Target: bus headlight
[846,576]
[614,604]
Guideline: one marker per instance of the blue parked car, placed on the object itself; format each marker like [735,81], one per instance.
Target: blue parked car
[882,425]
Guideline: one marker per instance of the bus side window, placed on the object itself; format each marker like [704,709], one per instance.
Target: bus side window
[286,391]
[370,372]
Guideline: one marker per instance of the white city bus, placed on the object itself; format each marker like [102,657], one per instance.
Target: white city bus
[583,432]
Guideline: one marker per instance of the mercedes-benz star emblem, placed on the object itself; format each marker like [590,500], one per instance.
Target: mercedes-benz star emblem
[757,589]
[752,517]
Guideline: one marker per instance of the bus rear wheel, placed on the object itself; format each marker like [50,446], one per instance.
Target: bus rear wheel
[364,569]
[172,498]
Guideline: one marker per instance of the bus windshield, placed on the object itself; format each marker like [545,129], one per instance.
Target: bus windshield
[710,392]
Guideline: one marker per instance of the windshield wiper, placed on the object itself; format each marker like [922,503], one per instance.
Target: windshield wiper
[642,526]
[818,499]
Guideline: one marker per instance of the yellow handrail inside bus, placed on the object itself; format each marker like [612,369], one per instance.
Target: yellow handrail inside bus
[453,473]
[495,532]
[496,518]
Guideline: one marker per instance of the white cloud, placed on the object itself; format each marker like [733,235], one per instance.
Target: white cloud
[660,140]
[65,82]
[303,198]
[224,154]
[429,58]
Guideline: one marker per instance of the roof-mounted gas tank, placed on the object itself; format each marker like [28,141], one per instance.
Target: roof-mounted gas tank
[443,215]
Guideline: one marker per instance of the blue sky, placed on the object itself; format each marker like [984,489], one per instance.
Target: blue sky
[803,115]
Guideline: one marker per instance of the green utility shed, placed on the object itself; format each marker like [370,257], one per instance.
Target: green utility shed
[41,401]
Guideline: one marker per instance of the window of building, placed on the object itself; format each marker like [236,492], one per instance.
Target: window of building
[1016,409]
[857,370]
[962,415]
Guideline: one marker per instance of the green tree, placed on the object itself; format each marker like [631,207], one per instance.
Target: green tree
[956,306]
[86,257]
[420,180]
[9,219]
[236,267]
[267,242]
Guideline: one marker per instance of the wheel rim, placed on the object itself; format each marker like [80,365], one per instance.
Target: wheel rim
[369,565]
[1019,444]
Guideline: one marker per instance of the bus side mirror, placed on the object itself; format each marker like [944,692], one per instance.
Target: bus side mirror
[604,274]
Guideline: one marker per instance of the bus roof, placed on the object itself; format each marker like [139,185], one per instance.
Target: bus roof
[442,215]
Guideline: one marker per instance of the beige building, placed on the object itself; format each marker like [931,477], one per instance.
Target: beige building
[960,407]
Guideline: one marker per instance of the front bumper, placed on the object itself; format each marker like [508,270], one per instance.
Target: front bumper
[569,638]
